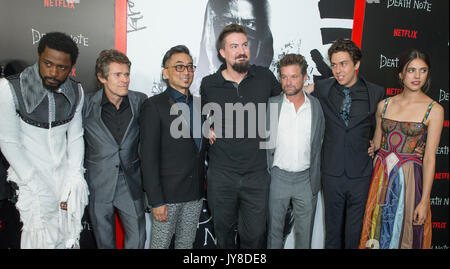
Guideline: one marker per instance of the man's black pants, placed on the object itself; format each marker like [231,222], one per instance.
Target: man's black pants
[242,199]
[345,201]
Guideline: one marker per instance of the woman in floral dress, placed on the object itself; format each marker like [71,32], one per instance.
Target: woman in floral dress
[398,206]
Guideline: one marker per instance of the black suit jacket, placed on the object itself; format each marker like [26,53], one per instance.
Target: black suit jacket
[173,168]
[344,149]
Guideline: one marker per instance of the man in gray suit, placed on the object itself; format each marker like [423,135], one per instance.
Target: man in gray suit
[297,127]
[111,133]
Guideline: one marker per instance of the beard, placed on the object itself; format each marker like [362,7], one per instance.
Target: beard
[241,67]
[292,92]
[51,87]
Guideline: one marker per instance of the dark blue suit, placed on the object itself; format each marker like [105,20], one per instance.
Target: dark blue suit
[346,165]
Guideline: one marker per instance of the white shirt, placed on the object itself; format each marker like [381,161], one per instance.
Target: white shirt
[293,145]
[47,165]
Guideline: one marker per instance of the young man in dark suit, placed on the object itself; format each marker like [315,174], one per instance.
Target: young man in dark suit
[349,103]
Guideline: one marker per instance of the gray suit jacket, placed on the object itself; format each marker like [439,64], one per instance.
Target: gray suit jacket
[103,155]
[317,133]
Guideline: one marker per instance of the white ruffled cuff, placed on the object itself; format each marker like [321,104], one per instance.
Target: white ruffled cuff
[75,194]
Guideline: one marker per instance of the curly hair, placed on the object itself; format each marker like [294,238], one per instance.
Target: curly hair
[347,46]
[60,42]
[105,58]
[293,59]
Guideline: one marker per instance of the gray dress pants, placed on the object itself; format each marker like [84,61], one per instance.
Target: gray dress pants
[287,187]
[131,215]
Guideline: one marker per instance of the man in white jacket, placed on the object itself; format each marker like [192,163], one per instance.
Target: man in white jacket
[41,136]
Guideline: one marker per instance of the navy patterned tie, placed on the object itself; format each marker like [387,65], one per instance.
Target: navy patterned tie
[345,108]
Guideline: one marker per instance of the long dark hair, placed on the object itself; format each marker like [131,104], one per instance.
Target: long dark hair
[407,57]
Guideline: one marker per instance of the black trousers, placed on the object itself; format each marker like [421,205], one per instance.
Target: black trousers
[10,226]
[345,201]
[242,200]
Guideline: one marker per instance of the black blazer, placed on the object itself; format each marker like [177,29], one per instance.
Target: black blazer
[173,168]
[344,149]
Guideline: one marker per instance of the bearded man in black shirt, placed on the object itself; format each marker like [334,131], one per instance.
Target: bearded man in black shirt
[237,178]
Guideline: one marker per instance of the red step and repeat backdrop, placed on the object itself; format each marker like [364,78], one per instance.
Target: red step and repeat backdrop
[143,29]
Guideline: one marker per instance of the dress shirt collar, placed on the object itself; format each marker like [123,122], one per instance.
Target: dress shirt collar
[251,72]
[125,102]
[34,92]
[285,100]
[352,89]
[178,96]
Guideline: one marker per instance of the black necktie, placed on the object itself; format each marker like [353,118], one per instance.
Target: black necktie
[345,108]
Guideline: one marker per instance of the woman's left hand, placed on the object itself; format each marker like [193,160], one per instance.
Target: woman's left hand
[420,213]
[371,149]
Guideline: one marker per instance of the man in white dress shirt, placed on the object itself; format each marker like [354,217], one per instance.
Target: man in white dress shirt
[42,138]
[295,138]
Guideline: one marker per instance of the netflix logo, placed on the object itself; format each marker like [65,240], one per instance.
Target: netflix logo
[441,176]
[393,91]
[405,33]
[446,123]
[439,225]
[73,72]
[61,3]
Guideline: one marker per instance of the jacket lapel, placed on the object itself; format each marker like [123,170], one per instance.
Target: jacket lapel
[197,113]
[371,98]
[334,110]
[133,107]
[314,114]
[273,130]
[98,116]
[185,121]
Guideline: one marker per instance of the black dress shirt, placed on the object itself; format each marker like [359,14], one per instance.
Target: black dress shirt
[237,153]
[360,99]
[189,100]
[117,120]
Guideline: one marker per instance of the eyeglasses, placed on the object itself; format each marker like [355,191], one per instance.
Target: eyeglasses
[180,67]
